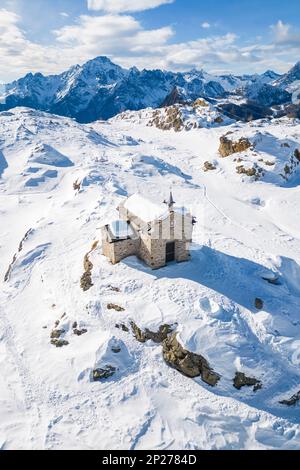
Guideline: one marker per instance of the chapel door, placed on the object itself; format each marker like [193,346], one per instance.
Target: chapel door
[170,252]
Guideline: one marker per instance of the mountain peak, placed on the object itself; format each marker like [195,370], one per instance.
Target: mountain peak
[101,60]
[270,73]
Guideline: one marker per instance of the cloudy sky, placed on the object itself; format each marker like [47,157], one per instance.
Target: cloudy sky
[240,36]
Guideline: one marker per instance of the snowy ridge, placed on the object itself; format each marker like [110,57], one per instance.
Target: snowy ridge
[247,234]
[178,117]
[100,89]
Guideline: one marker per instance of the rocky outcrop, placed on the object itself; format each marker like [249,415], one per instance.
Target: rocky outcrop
[146,335]
[170,119]
[173,98]
[200,102]
[291,166]
[102,374]
[291,401]
[259,304]
[56,334]
[78,332]
[59,343]
[20,248]
[86,279]
[187,363]
[122,327]
[255,171]
[208,166]
[241,380]
[77,185]
[229,147]
[115,307]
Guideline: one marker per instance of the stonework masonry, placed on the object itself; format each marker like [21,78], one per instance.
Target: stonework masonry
[150,240]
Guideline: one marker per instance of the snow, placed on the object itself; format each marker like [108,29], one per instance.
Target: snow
[247,233]
[102,89]
[145,209]
[121,229]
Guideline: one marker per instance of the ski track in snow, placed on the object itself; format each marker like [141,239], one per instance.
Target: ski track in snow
[46,398]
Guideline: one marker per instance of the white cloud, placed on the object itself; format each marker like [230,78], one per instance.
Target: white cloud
[126,42]
[284,34]
[91,29]
[121,6]
[206,25]
[64,14]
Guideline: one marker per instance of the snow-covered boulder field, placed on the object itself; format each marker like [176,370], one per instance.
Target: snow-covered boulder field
[83,343]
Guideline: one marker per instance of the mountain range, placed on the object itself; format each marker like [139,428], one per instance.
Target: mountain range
[100,89]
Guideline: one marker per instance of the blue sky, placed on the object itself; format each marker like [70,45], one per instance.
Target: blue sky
[240,36]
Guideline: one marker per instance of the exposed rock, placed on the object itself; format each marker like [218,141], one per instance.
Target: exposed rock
[292,165]
[259,304]
[116,349]
[228,147]
[173,98]
[86,279]
[188,363]
[76,185]
[156,337]
[115,307]
[291,401]
[171,119]
[241,170]
[200,102]
[79,332]
[74,325]
[102,374]
[114,289]
[94,245]
[20,248]
[241,380]
[122,327]
[59,343]
[24,239]
[219,120]
[208,166]
[56,333]
[246,112]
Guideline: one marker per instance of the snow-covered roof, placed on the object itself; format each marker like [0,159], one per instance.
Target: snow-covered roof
[145,209]
[121,229]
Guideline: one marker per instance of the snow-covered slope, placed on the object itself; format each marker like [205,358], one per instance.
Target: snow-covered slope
[246,248]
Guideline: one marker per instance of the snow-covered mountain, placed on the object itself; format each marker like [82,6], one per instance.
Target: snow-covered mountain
[100,89]
[290,79]
[236,302]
